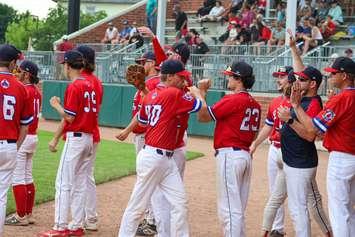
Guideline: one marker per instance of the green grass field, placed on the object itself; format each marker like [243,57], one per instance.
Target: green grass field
[114,160]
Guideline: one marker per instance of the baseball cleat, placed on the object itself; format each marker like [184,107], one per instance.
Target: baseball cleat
[276,233]
[31,219]
[77,232]
[91,226]
[146,229]
[54,233]
[15,219]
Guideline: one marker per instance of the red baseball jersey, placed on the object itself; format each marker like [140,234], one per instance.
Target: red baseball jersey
[338,123]
[237,119]
[273,120]
[151,83]
[183,122]
[35,96]
[160,111]
[97,85]
[16,108]
[78,102]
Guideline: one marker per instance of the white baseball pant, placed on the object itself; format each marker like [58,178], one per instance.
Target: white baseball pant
[90,201]
[71,181]
[139,142]
[299,184]
[274,165]
[278,197]
[161,206]
[156,170]
[233,183]
[8,152]
[341,193]
[23,171]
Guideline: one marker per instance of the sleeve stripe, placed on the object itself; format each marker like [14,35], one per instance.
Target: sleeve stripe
[269,122]
[26,121]
[211,113]
[141,120]
[197,106]
[318,124]
[70,112]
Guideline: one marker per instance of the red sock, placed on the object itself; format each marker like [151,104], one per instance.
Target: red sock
[20,194]
[30,197]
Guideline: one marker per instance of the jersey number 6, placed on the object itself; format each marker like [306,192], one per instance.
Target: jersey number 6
[8,106]
[251,120]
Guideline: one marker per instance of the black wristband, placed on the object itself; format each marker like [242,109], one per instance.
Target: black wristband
[290,121]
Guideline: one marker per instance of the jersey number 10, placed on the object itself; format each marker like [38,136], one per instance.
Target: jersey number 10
[153,113]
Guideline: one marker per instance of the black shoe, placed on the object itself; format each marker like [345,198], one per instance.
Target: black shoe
[145,229]
[276,233]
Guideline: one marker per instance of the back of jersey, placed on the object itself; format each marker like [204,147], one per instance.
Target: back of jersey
[80,102]
[35,97]
[15,107]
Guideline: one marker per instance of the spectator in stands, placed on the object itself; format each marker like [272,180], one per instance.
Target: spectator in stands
[151,10]
[328,27]
[280,12]
[111,35]
[197,61]
[192,36]
[261,4]
[125,32]
[66,45]
[137,38]
[322,11]
[232,33]
[316,38]
[336,13]
[233,7]
[247,16]
[215,14]
[206,8]
[180,22]
[277,36]
[349,53]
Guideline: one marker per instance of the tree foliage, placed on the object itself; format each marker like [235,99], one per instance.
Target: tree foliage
[7,15]
[45,32]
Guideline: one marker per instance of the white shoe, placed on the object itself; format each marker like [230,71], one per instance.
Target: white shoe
[15,219]
[91,226]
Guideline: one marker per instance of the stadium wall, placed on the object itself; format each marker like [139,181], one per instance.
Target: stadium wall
[117,106]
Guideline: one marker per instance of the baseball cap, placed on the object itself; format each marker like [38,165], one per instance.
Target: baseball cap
[342,64]
[282,71]
[87,52]
[9,52]
[72,56]
[146,56]
[239,69]
[29,67]
[183,50]
[311,73]
[173,66]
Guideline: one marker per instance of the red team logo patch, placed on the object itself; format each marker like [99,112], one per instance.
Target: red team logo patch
[328,115]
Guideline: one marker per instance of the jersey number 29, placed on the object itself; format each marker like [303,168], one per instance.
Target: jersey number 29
[251,120]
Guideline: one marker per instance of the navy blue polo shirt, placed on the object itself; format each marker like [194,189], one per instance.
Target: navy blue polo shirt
[296,151]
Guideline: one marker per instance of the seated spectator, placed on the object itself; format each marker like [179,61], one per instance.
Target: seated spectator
[233,7]
[280,13]
[336,13]
[111,35]
[243,36]
[125,32]
[66,45]
[277,36]
[206,8]
[232,33]
[137,38]
[328,27]
[322,11]
[247,17]
[349,53]
[191,37]
[180,22]
[316,38]
[197,61]
[215,14]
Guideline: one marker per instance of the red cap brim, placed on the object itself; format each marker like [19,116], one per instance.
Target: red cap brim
[277,74]
[228,73]
[301,74]
[330,69]
[184,73]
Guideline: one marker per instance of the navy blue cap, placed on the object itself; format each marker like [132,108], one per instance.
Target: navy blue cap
[183,50]
[146,56]
[311,73]
[72,56]
[87,52]
[9,52]
[173,66]
[29,67]
[282,71]
[239,69]
[342,64]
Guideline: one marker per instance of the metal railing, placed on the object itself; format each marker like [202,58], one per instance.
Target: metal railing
[243,49]
[103,47]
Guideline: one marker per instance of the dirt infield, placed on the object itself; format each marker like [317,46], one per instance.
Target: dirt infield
[200,185]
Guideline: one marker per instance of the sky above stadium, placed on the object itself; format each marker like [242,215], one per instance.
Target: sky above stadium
[36,7]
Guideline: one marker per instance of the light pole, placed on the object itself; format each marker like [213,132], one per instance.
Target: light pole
[161,19]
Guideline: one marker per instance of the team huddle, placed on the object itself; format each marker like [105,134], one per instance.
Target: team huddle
[160,115]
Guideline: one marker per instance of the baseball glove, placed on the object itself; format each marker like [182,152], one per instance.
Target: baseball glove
[135,75]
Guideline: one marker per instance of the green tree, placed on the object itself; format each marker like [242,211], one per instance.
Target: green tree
[7,15]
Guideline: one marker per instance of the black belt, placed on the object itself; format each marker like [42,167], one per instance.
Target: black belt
[161,152]
[77,134]
[234,149]
[10,140]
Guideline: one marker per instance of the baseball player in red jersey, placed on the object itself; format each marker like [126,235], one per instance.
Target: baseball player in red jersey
[338,124]
[155,167]
[80,116]
[16,113]
[22,181]
[237,119]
